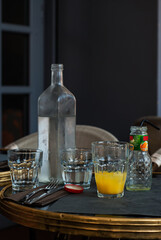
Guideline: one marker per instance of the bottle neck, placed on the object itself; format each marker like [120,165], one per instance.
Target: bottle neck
[57,76]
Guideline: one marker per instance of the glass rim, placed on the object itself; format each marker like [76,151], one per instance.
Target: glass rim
[139,127]
[107,143]
[81,149]
[57,66]
[25,150]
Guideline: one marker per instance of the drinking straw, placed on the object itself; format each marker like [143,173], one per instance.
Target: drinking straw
[147,121]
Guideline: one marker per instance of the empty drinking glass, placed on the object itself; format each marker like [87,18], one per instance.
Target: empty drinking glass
[24,167]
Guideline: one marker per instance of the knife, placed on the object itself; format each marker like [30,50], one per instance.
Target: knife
[35,199]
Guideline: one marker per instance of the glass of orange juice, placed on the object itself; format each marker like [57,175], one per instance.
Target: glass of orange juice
[110,167]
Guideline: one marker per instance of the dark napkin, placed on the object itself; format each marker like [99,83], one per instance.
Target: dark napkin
[19,197]
[4,166]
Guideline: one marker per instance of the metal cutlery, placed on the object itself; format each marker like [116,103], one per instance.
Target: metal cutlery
[54,183]
[48,192]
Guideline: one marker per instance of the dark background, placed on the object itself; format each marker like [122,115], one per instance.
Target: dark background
[109,52]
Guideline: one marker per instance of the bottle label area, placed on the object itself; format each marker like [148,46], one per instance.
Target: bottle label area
[139,142]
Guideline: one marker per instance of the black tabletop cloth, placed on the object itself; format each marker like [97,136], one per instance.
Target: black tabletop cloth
[142,203]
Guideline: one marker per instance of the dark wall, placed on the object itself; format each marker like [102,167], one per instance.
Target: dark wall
[109,52]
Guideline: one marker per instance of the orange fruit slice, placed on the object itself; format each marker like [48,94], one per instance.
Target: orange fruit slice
[131,147]
[144,146]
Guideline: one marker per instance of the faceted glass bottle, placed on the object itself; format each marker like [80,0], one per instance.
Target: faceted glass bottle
[139,174]
[56,124]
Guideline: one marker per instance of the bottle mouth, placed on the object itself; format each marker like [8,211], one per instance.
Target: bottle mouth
[137,128]
[57,67]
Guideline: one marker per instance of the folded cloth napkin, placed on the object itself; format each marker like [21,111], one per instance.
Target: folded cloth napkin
[20,197]
[4,165]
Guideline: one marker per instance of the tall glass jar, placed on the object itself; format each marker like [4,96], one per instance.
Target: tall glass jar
[56,124]
[139,175]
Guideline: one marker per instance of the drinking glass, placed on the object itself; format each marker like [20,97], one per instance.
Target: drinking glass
[24,167]
[77,166]
[110,167]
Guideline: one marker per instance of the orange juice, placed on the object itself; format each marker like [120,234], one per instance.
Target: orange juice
[110,182]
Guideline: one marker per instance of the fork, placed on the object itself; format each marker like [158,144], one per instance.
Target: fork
[52,184]
[48,192]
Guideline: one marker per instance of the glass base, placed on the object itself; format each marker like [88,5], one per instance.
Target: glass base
[84,185]
[137,188]
[23,187]
[110,196]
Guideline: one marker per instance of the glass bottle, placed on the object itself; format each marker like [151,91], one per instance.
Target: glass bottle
[56,124]
[139,174]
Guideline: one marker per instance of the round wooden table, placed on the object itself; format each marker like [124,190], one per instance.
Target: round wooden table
[93,226]
[5,174]
[5,178]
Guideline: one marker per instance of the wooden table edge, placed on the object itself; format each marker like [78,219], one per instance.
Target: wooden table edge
[96,226]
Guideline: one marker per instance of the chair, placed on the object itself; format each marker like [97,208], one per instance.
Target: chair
[153,133]
[85,135]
